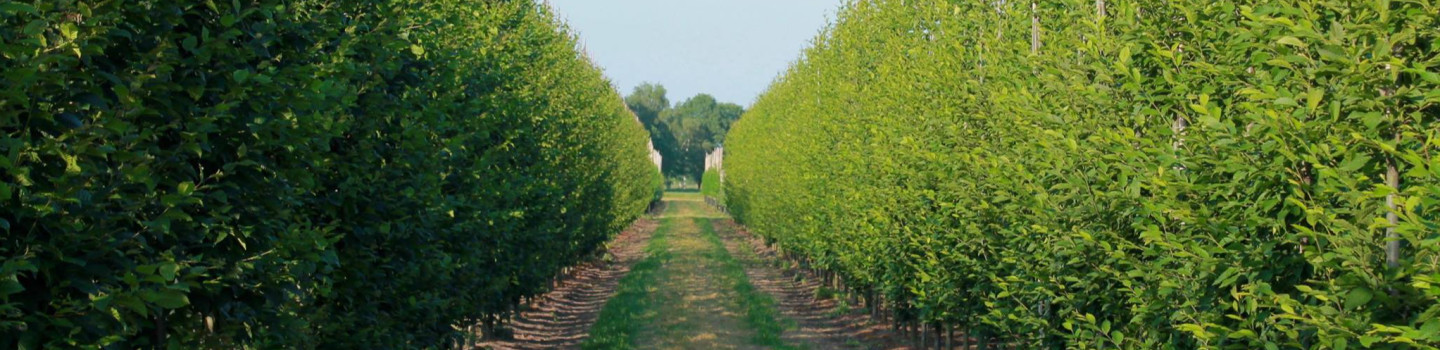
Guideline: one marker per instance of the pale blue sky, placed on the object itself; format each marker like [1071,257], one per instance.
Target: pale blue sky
[731,49]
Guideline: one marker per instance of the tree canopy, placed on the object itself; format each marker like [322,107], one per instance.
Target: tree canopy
[684,133]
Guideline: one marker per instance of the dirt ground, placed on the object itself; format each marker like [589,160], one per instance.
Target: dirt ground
[691,302]
[820,324]
[562,318]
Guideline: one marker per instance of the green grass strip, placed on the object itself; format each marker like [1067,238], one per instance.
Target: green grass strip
[626,314]
[760,313]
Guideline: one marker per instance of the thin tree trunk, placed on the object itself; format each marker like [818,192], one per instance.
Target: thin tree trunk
[923,333]
[939,336]
[949,336]
[1392,240]
[160,329]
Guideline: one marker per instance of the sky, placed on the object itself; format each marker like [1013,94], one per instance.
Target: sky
[730,49]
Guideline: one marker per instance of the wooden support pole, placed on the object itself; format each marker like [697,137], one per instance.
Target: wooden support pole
[1179,129]
[1034,29]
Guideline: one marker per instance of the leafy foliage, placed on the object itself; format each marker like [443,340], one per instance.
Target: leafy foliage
[710,185]
[1155,174]
[290,174]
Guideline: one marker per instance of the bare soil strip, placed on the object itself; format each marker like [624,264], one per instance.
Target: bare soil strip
[562,318]
[820,325]
[689,302]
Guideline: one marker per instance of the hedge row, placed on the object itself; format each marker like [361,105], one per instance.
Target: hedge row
[294,174]
[710,185]
[1101,174]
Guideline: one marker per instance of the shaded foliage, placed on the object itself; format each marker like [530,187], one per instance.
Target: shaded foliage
[296,174]
[710,185]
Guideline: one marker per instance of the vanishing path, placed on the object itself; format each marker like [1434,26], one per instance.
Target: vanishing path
[692,279]
[688,293]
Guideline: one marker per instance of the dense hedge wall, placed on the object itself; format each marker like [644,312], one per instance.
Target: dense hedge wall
[710,185]
[293,174]
[1146,174]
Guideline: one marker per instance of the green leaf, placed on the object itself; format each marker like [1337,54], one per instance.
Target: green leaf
[167,270]
[10,286]
[1427,76]
[167,298]
[9,7]
[1313,98]
[72,164]
[134,304]
[70,120]
[189,43]
[69,31]
[1194,329]
[1372,120]
[1292,41]
[1355,163]
[1358,297]
[417,50]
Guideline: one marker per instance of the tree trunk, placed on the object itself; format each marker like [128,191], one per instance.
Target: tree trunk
[939,335]
[949,336]
[923,333]
[1392,240]
[160,329]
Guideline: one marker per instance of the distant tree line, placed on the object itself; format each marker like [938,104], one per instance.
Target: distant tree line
[685,132]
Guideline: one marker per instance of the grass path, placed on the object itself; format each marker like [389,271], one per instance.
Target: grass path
[691,279]
[689,292]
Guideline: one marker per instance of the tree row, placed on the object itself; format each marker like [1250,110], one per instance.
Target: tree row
[1103,174]
[298,174]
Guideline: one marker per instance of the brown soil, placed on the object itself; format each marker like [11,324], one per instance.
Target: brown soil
[819,326]
[561,319]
